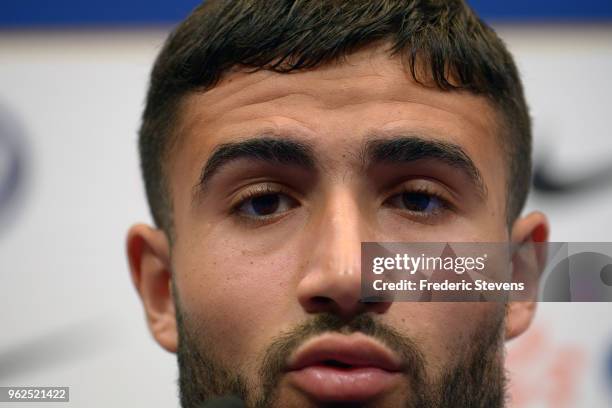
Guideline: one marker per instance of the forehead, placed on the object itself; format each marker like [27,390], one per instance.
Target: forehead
[334,108]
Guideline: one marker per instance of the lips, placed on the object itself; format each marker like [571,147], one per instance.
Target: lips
[334,367]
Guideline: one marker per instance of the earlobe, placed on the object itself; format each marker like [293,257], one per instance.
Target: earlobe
[530,228]
[519,316]
[148,251]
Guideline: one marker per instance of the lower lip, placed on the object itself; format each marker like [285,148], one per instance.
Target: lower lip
[326,383]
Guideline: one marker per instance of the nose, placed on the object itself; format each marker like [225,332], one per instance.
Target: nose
[331,282]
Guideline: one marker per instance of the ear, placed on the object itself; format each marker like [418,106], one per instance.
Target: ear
[148,251]
[532,227]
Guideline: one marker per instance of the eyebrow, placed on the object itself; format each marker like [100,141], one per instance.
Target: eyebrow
[397,150]
[407,149]
[268,149]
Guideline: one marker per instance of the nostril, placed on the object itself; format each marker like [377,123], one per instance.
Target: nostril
[321,300]
[373,299]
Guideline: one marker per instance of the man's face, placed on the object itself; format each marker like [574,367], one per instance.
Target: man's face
[275,181]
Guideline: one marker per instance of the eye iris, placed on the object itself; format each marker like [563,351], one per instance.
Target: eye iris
[265,204]
[416,201]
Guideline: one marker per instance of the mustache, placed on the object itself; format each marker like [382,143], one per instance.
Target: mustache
[282,347]
[476,378]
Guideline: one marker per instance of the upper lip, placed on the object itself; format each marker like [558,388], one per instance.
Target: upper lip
[355,350]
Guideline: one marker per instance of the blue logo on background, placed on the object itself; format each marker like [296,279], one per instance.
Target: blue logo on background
[12,163]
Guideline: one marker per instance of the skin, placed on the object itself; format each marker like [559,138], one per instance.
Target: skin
[247,281]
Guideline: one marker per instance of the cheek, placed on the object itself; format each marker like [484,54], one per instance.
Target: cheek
[444,330]
[483,227]
[238,297]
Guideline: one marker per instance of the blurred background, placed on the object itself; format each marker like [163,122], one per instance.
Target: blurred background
[73,77]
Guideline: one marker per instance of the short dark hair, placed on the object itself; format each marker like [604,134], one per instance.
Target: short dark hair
[454,48]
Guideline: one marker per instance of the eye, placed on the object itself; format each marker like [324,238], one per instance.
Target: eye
[265,205]
[417,202]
